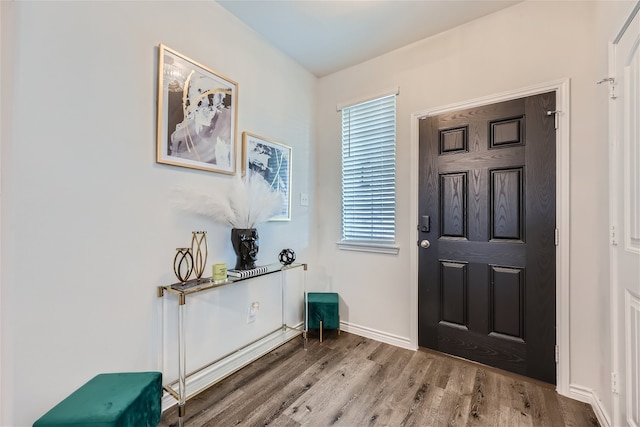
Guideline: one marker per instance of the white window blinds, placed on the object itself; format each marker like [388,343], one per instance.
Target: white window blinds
[369,171]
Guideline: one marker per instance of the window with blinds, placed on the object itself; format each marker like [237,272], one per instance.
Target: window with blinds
[369,171]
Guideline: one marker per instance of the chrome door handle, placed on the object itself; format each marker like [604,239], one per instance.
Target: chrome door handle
[424,244]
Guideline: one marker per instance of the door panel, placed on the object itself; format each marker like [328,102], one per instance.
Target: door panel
[487,282]
[507,292]
[625,224]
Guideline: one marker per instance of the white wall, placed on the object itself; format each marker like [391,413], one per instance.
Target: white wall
[524,45]
[88,226]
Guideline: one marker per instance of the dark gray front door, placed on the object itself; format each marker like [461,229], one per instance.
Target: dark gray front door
[487,206]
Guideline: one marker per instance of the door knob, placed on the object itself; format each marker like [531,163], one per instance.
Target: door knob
[424,244]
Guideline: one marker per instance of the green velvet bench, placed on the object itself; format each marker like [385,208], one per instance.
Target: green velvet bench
[323,310]
[128,399]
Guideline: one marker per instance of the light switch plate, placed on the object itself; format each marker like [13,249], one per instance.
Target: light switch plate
[304,199]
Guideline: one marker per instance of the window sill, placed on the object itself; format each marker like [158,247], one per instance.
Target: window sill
[380,248]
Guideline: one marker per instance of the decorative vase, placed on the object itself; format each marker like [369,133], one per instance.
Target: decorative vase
[245,245]
[183,264]
[199,252]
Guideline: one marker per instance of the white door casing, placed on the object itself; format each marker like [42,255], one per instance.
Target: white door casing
[624,166]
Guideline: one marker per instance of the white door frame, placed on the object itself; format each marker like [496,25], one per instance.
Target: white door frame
[561,88]
[617,333]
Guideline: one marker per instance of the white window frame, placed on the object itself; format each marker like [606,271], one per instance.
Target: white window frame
[371,245]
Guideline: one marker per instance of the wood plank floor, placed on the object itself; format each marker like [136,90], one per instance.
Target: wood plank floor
[352,381]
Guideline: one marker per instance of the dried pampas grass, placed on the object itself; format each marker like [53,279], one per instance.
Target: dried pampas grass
[242,203]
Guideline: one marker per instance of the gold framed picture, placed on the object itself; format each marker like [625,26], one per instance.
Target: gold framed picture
[197,115]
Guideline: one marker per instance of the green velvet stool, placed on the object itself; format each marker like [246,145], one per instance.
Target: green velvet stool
[323,311]
[129,399]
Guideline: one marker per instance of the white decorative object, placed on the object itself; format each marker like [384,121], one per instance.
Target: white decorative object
[242,203]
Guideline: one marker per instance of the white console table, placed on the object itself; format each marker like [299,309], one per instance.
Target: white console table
[190,384]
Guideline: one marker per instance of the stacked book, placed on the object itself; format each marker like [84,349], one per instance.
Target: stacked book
[243,274]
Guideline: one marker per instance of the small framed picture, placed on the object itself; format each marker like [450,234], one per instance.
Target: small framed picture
[197,115]
[272,161]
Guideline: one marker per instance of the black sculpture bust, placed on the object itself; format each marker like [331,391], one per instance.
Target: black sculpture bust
[245,245]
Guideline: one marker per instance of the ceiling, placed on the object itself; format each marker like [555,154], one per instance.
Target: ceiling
[327,36]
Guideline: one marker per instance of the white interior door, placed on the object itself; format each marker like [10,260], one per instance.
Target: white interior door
[625,222]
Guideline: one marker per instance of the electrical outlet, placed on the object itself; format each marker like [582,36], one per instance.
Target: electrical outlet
[253,310]
[304,199]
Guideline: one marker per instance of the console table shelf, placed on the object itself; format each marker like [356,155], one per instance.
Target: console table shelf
[204,284]
[190,384]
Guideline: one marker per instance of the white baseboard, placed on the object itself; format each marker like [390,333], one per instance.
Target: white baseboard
[587,395]
[384,337]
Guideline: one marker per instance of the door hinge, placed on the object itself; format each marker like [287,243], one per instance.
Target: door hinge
[612,86]
[614,242]
[557,354]
[557,236]
[614,382]
[555,114]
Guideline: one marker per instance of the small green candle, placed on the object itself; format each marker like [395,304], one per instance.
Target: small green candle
[219,272]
